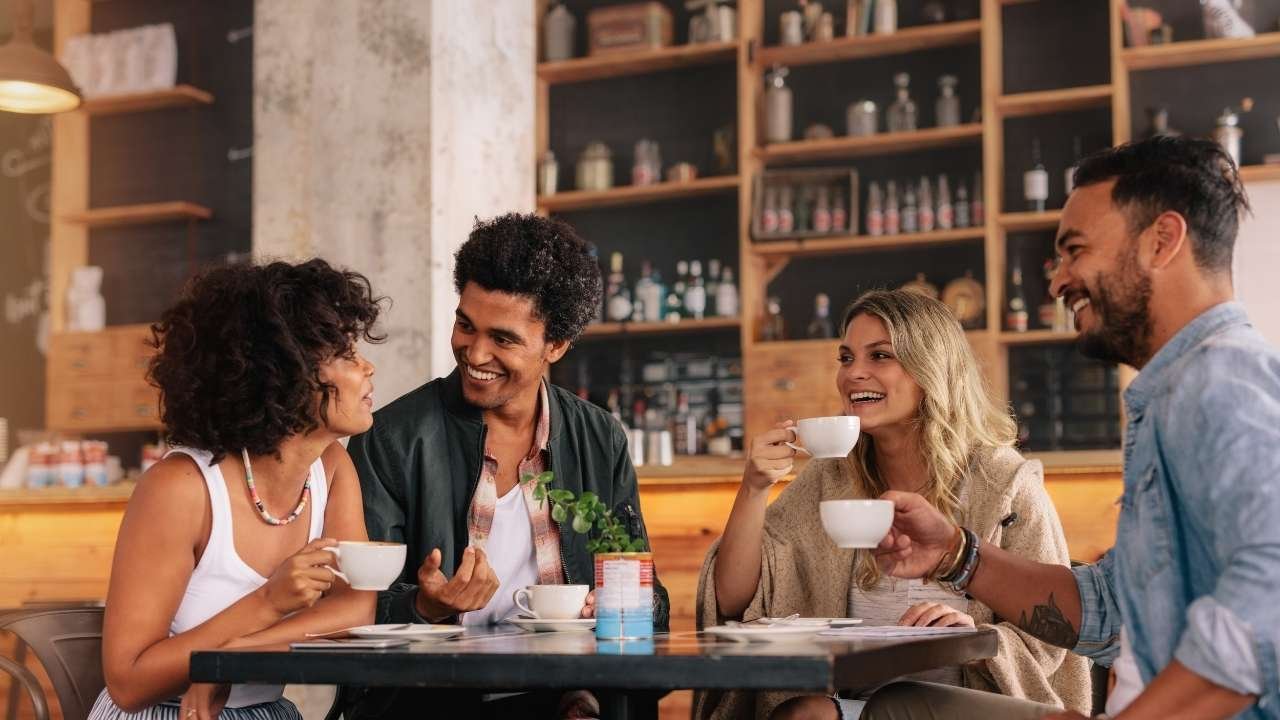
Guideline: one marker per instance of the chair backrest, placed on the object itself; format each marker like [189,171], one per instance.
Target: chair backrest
[68,644]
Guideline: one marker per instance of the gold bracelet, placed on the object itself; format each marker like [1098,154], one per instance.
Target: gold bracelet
[953,565]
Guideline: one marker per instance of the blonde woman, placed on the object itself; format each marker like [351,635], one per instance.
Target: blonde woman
[929,426]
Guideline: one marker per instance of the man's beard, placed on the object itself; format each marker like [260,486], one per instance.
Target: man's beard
[1122,305]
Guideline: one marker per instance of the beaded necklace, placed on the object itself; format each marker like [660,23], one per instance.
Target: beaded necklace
[257,501]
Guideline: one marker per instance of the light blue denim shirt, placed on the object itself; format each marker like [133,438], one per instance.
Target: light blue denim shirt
[1195,572]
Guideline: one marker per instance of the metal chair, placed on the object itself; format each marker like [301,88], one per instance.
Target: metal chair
[68,643]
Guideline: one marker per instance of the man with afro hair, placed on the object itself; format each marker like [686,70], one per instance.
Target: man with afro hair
[441,468]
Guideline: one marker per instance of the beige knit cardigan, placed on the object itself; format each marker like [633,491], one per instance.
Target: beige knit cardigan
[803,572]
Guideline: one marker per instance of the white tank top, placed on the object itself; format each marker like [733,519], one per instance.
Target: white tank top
[222,577]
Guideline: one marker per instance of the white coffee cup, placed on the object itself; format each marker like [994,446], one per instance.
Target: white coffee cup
[856,523]
[551,602]
[827,437]
[368,565]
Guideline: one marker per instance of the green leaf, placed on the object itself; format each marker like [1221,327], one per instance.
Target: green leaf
[559,514]
[546,476]
[581,524]
[587,497]
[539,492]
[637,545]
[561,496]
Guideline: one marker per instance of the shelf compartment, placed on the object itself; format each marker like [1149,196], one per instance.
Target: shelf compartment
[178,96]
[616,329]
[637,63]
[1260,173]
[146,214]
[636,194]
[866,146]
[1036,337]
[1201,52]
[856,243]
[1047,102]
[1022,221]
[925,37]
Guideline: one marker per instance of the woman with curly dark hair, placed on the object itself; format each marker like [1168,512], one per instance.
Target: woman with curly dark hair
[259,377]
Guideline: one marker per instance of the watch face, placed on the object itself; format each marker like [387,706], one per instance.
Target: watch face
[966,299]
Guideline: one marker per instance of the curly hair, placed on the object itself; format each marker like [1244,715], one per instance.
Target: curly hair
[542,258]
[238,356]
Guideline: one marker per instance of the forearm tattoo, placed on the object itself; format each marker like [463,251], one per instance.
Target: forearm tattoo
[1050,625]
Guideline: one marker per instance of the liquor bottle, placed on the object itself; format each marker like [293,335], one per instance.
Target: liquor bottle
[774,327]
[727,295]
[682,283]
[822,211]
[685,428]
[946,211]
[1048,306]
[786,218]
[927,217]
[648,294]
[875,211]
[1015,318]
[902,113]
[948,105]
[713,286]
[910,216]
[963,218]
[892,218]
[839,215]
[618,306]
[778,106]
[655,303]
[820,327]
[674,307]
[804,209]
[978,205]
[1035,182]
[695,293]
[1069,176]
[769,216]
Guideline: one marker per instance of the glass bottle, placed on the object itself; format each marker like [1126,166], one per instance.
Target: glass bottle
[948,105]
[1015,318]
[875,211]
[1048,306]
[886,17]
[713,285]
[695,293]
[681,285]
[910,216]
[727,295]
[674,310]
[786,216]
[777,105]
[946,211]
[619,304]
[1035,182]
[927,217]
[978,205]
[963,219]
[1158,123]
[774,327]
[648,294]
[769,216]
[902,113]
[892,218]
[822,210]
[821,327]
[839,215]
[557,34]
[804,209]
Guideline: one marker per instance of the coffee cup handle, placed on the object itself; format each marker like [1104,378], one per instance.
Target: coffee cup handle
[515,598]
[338,554]
[793,446]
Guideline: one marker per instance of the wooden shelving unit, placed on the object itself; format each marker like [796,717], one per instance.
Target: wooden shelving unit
[1036,337]
[640,63]
[616,329]
[1029,221]
[179,96]
[1202,52]
[1260,173]
[857,243]
[871,145]
[1047,102]
[637,194]
[146,214]
[906,40]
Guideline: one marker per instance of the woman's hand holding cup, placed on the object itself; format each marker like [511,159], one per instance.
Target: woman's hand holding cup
[301,579]
[771,457]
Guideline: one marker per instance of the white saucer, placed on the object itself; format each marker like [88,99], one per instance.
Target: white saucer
[536,625]
[414,631]
[765,633]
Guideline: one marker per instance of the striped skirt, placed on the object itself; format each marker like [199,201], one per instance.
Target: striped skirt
[105,709]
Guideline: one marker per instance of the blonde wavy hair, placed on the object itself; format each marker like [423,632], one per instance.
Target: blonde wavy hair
[958,418]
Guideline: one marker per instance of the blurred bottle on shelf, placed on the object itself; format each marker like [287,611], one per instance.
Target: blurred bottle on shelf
[910,215]
[648,294]
[902,113]
[727,295]
[946,213]
[695,293]
[786,214]
[822,210]
[820,327]
[875,211]
[839,214]
[1035,182]
[778,106]
[1016,316]
[774,327]
[928,219]
[978,205]
[892,217]
[963,217]
[948,105]
[713,286]
[618,305]
[769,216]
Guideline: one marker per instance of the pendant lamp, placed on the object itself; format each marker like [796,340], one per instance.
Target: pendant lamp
[31,80]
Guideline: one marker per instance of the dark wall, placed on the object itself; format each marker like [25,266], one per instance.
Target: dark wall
[179,154]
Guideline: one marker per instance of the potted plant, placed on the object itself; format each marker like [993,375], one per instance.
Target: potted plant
[623,565]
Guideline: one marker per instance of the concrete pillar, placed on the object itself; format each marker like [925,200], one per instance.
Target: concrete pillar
[382,129]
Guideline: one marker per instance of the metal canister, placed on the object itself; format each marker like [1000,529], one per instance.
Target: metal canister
[548,174]
[595,168]
[1228,134]
[624,595]
[862,118]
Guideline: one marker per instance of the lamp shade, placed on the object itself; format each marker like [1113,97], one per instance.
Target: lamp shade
[31,80]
